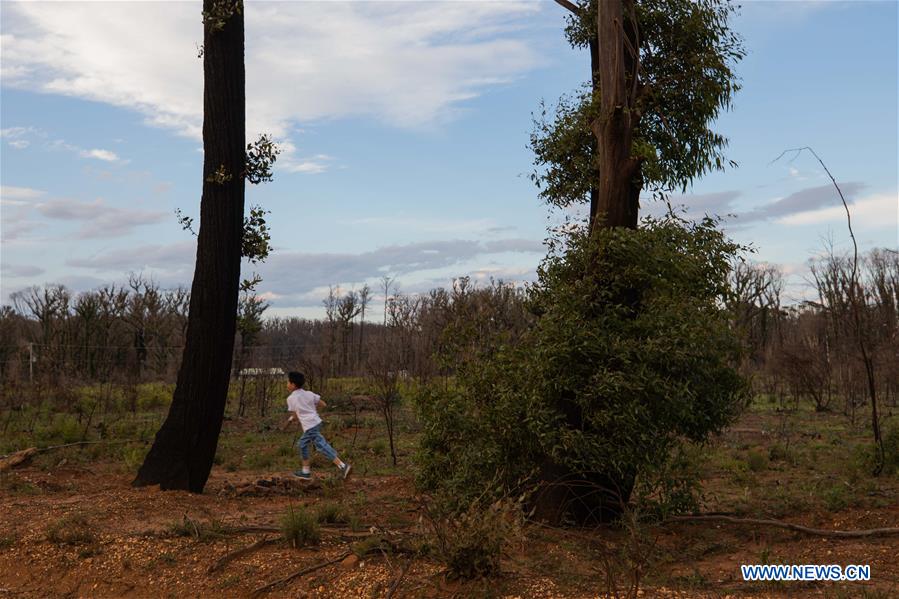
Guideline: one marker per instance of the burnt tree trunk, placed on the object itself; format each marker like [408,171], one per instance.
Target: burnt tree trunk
[182,453]
[589,498]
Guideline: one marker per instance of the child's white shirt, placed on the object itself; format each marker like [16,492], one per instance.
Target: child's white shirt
[302,403]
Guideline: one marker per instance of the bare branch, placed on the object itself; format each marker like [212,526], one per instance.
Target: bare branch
[570,6]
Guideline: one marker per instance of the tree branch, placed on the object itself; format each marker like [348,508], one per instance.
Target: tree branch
[844,534]
[571,7]
[228,557]
[286,579]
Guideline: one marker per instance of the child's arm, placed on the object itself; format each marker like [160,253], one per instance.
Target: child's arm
[289,420]
[321,403]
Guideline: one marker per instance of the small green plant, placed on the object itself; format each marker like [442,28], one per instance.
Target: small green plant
[202,531]
[836,497]
[331,513]
[299,527]
[372,545]
[781,453]
[891,451]
[133,457]
[378,447]
[757,461]
[14,484]
[73,529]
[258,461]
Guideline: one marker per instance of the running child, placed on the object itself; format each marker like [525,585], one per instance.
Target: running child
[303,406]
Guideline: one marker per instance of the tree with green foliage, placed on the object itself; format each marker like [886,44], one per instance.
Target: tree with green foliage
[661,72]
[631,351]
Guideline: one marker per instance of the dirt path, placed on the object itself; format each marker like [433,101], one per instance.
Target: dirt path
[133,553]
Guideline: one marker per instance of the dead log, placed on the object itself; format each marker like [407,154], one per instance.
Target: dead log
[18,458]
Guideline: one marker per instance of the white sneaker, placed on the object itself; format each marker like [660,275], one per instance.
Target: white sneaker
[345,469]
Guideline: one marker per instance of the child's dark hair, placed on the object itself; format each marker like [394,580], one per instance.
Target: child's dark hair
[296,378]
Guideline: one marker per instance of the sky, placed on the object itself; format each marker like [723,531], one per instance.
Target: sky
[404,130]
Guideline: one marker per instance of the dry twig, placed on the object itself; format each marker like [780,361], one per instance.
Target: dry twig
[266,588]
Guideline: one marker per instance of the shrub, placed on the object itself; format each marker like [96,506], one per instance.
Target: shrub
[781,453]
[757,461]
[891,451]
[299,528]
[331,513]
[378,447]
[631,354]
[470,543]
[73,529]
[153,396]
[836,498]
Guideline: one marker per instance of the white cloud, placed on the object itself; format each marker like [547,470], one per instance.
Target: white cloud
[874,211]
[104,155]
[409,64]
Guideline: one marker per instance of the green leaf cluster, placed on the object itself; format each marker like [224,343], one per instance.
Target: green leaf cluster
[688,53]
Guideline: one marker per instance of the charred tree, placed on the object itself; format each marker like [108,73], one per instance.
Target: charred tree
[182,453]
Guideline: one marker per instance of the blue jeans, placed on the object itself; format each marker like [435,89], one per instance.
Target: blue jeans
[313,436]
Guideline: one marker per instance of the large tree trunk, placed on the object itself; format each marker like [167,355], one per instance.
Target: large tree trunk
[182,453]
[588,498]
[619,178]
[594,179]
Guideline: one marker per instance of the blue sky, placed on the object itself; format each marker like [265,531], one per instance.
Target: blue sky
[405,129]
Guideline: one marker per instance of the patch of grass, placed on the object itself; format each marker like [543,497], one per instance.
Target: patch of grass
[258,460]
[331,513]
[167,559]
[471,542]
[90,550]
[784,501]
[355,523]
[133,456]
[372,545]
[378,446]
[757,461]
[836,498]
[73,529]
[781,453]
[202,531]
[299,527]
[14,484]
[331,487]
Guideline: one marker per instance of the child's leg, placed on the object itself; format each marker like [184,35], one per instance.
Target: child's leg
[322,445]
[305,441]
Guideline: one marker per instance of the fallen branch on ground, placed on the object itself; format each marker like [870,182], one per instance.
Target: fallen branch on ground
[399,579]
[228,557]
[844,534]
[339,531]
[16,459]
[286,579]
[34,450]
